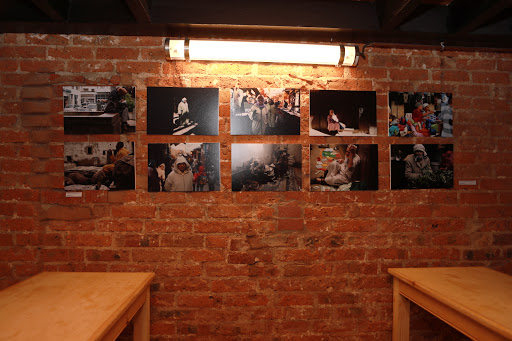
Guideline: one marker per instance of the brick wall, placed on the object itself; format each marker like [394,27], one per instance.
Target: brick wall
[295,265]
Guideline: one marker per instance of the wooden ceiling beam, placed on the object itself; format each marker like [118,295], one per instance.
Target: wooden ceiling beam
[139,10]
[396,12]
[45,7]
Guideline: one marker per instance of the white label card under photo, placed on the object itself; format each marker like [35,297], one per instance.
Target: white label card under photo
[73,194]
[467,182]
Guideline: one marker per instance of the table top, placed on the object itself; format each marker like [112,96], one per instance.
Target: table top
[483,294]
[67,305]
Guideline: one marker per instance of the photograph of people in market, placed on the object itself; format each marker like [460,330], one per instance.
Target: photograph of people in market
[99,109]
[183,167]
[421,166]
[342,113]
[105,166]
[265,111]
[342,167]
[183,111]
[266,167]
[423,114]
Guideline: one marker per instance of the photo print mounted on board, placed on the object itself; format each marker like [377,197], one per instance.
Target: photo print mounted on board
[265,111]
[183,167]
[99,109]
[343,167]
[183,111]
[99,166]
[266,167]
[421,166]
[420,114]
[342,113]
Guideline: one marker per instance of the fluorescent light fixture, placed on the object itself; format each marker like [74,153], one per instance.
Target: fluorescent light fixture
[244,51]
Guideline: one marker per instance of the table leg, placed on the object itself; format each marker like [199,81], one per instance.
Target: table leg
[401,314]
[141,321]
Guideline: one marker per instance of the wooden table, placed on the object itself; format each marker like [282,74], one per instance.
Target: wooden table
[474,300]
[75,306]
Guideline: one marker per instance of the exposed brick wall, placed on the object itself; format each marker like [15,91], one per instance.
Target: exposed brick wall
[252,265]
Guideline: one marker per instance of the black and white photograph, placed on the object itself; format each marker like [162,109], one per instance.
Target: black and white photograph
[99,109]
[105,166]
[420,114]
[183,111]
[416,166]
[183,167]
[266,167]
[343,167]
[342,113]
[265,111]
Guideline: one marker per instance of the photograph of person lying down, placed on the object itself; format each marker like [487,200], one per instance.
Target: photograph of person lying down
[342,167]
[342,113]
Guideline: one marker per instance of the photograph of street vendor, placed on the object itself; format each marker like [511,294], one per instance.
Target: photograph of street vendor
[338,167]
[420,114]
[421,166]
[184,167]
[266,167]
[99,109]
[265,111]
[98,166]
[342,113]
[183,111]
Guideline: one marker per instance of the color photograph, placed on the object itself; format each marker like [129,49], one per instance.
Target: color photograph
[342,167]
[266,167]
[99,109]
[265,111]
[342,113]
[183,167]
[420,114]
[105,166]
[421,166]
[183,111]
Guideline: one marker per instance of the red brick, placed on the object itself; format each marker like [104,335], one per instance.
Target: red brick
[408,74]
[197,301]
[203,256]
[233,285]
[246,300]
[295,299]
[290,224]
[70,52]
[68,213]
[138,67]
[129,211]
[491,77]
[117,53]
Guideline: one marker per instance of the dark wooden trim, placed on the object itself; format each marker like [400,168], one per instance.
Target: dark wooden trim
[269,33]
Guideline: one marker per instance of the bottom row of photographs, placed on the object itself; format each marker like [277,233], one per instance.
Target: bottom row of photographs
[195,167]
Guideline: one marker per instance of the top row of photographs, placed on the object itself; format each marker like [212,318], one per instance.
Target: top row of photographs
[254,111]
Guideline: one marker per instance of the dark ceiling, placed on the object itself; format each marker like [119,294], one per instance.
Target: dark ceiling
[475,24]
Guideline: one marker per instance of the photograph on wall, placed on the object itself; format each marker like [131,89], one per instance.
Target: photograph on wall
[265,111]
[422,114]
[343,167]
[183,111]
[266,167]
[421,166]
[99,109]
[342,113]
[105,166]
[183,167]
